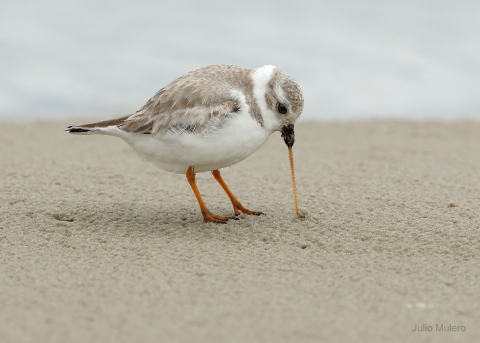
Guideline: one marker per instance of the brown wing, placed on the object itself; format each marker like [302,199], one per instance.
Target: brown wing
[194,102]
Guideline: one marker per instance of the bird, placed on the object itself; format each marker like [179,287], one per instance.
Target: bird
[208,119]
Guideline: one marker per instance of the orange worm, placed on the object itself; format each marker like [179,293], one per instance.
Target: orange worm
[290,157]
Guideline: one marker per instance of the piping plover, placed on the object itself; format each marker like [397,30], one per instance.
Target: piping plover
[208,119]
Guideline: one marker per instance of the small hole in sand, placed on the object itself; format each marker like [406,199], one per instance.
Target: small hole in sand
[302,214]
[63,217]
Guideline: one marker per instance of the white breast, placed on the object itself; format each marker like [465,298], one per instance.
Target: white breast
[237,139]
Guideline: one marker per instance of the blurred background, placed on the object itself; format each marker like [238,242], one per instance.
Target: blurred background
[406,59]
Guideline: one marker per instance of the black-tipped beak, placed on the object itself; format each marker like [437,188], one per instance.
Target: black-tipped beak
[288,135]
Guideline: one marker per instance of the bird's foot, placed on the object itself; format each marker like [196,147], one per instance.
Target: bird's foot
[215,218]
[238,207]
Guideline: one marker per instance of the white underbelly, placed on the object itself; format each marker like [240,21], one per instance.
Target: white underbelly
[174,152]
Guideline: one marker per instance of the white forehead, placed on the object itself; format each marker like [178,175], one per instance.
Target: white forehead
[262,78]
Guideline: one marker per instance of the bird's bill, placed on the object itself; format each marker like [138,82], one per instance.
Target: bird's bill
[288,135]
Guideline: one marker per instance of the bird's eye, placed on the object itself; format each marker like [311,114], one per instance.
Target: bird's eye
[281,108]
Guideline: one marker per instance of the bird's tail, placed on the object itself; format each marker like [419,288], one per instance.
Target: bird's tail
[102,127]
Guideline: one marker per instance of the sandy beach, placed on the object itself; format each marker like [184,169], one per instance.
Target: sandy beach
[97,245]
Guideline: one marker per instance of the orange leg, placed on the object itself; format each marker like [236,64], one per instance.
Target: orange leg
[207,215]
[237,206]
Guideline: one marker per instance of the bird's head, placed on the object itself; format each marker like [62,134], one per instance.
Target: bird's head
[283,101]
